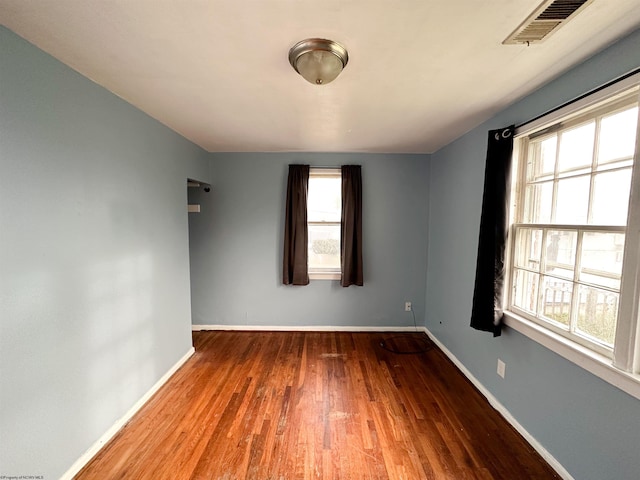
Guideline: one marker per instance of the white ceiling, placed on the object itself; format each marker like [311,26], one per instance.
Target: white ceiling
[420,72]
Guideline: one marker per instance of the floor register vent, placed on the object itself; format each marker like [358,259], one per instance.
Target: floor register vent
[545,19]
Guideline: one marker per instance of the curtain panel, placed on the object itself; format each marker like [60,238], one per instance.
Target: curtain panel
[487,313]
[351,228]
[294,268]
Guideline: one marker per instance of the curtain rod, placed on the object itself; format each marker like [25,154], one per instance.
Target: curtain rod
[580,97]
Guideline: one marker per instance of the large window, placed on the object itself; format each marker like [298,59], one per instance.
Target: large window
[324,215]
[570,270]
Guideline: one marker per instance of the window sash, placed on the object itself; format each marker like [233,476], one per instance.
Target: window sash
[570,331]
[626,347]
[325,270]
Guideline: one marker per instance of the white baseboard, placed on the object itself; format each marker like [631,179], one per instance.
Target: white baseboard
[95,448]
[493,401]
[305,328]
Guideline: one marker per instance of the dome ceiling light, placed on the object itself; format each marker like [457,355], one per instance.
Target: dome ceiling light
[318,60]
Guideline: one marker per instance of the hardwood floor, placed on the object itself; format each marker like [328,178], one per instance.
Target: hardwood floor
[299,405]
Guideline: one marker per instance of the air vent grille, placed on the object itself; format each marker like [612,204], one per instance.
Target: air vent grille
[561,9]
[535,32]
[547,18]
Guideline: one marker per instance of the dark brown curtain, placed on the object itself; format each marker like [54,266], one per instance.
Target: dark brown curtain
[294,268]
[351,230]
[487,311]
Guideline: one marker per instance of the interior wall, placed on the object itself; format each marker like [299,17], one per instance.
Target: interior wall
[94,272]
[589,426]
[236,245]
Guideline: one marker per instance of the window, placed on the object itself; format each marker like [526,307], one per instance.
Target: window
[573,237]
[324,205]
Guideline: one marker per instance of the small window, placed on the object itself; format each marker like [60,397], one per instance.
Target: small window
[324,211]
[570,223]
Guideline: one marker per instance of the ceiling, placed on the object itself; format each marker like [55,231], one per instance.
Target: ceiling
[420,72]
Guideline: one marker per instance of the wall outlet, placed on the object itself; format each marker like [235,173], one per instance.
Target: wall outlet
[407,306]
[501,368]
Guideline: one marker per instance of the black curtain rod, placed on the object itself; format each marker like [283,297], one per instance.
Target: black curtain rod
[590,92]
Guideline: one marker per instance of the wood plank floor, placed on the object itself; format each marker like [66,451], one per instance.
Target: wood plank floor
[300,405]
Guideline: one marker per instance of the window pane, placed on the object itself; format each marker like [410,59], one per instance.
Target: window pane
[602,258]
[618,135]
[537,204]
[597,314]
[526,290]
[576,147]
[611,197]
[560,253]
[528,248]
[573,200]
[556,300]
[325,199]
[324,247]
[543,155]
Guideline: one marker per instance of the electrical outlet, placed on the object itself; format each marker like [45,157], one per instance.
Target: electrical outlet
[501,368]
[407,306]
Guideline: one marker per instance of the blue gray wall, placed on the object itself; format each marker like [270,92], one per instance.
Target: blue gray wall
[236,245]
[94,272]
[592,428]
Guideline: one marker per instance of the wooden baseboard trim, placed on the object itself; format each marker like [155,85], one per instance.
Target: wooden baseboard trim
[311,328]
[493,401]
[108,435]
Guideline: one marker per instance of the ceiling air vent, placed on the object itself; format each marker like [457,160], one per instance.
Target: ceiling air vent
[545,19]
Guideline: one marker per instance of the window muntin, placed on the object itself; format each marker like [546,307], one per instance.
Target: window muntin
[570,222]
[324,211]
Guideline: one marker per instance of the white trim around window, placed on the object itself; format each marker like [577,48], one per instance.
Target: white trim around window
[595,363]
[620,367]
[325,220]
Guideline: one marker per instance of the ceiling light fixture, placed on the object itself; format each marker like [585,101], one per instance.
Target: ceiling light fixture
[318,60]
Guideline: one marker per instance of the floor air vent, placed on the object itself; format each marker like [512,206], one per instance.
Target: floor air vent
[547,18]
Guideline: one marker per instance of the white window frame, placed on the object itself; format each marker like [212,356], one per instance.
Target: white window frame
[622,367]
[325,273]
